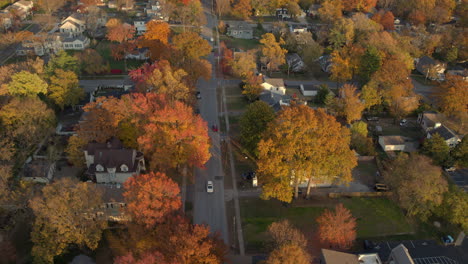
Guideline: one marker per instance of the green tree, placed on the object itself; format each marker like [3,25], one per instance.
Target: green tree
[342,33]
[370,63]
[359,140]
[25,83]
[417,185]
[322,94]
[454,207]
[302,144]
[64,89]
[460,153]
[436,148]
[253,124]
[274,55]
[63,217]
[370,96]
[64,62]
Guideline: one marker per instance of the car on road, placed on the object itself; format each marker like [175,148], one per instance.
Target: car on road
[209,187]
[198,95]
[214,128]
[403,122]
[380,187]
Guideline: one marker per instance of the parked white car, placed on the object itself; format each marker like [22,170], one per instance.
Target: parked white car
[209,187]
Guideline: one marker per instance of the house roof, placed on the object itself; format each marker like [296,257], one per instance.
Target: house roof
[113,143]
[36,168]
[401,255]
[273,99]
[425,62]
[431,118]
[444,132]
[239,25]
[336,257]
[277,82]
[393,140]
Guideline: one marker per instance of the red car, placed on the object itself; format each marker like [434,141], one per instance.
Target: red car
[214,128]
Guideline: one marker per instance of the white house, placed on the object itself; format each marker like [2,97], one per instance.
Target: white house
[138,54]
[21,9]
[112,163]
[140,26]
[309,90]
[450,138]
[74,25]
[40,44]
[274,85]
[429,120]
[75,43]
[392,143]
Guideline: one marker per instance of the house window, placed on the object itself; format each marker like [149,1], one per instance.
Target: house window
[77,45]
[99,167]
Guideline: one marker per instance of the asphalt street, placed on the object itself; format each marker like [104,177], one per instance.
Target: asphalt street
[209,208]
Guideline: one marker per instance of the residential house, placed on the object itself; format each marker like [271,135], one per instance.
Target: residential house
[112,4]
[325,63]
[282,13]
[432,69]
[40,45]
[75,42]
[138,54]
[309,90]
[6,21]
[240,30]
[295,28]
[429,120]
[313,10]
[21,9]
[335,257]
[448,135]
[111,163]
[393,143]
[295,62]
[274,85]
[400,255]
[113,207]
[74,25]
[274,100]
[39,170]
[140,25]
[397,24]
[153,10]
[459,72]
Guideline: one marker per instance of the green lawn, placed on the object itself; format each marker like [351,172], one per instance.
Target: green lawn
[376,217]
[104,50]
[235,103]
[243,44]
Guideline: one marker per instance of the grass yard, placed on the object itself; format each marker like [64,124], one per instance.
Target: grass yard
[236,103]
[376,217]
[243,44]
[104,50]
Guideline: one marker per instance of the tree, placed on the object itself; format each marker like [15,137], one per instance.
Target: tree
[252,87]
[145,258]
[191,45]
[242,9]
[331,10]
[322,94]
[460,153]
[162,79]
[92,62]
[74,151]
[310,53]
[28,84]
[289,254]
[150,197]
[157,31]
[118,31]
[64,89]
[64,62]
[61,219]
[342,33]
[341,69]
[417,185]
[453,95]
[349,103]
[359,140]
[370,96]
[359,5]
[26,121]
[302,144]
[223,7]
[253,124]
[454,207]
[337,229]
[436,148]
[273,53]
[370,63]
[283,233]
[243,65]
[173,135]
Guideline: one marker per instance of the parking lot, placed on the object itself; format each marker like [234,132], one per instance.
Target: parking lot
[425,251]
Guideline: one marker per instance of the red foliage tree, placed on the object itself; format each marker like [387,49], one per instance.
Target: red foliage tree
[388,21]
[173,134]
[337,229]
[417,17]
[226,57]
[150,197]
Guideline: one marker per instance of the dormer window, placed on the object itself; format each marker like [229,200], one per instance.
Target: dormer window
[124,168]
[99,167]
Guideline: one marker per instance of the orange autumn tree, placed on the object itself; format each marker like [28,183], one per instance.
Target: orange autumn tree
[150,197]
[302,144]
[337,229]
[155,38]
[349,104]
[173,135]
[359,5]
